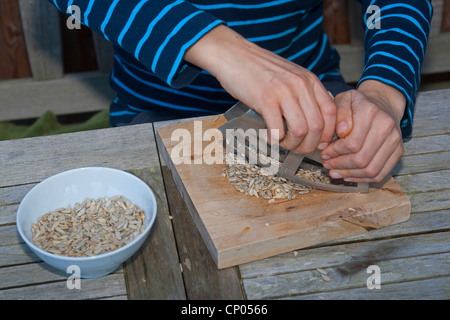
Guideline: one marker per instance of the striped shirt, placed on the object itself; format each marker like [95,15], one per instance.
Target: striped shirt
[151,37]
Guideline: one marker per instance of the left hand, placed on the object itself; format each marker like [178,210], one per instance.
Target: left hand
[368,126]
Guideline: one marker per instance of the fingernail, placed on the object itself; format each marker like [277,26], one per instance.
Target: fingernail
[326,166]
[341,127]
[322,145]
[348,180]
[326,157]
[335,175]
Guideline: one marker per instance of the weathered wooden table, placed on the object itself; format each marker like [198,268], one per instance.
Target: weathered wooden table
[411,258]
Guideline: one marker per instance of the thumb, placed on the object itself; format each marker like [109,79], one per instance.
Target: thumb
[344,119]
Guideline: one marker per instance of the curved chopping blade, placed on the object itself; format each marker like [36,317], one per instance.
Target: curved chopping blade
[241,118]
[292,163]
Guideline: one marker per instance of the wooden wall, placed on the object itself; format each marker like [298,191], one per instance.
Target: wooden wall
[77,45]
[341,23]
[42,61]
[13,54]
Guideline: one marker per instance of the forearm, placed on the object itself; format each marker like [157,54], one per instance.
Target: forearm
[208,52]
[275,87]
[395,44]
[157,33]
[226,55]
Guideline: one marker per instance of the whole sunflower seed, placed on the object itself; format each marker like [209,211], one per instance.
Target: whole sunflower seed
[89,228]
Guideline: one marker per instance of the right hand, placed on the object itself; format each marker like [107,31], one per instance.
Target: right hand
[276,88]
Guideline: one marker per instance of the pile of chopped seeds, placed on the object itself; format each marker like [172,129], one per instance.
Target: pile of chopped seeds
[253,180]
[90,228]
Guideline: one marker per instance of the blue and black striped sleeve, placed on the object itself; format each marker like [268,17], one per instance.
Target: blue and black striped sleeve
[156,33]
[395,41]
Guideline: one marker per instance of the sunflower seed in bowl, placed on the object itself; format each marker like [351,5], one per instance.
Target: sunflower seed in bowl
[89,228]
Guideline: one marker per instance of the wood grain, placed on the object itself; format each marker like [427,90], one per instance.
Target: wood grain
[399,260]
[75,93]
[336,21]
[154,271]
[446,16]
[14,62]
[111,286]
[40,21]
[202,279]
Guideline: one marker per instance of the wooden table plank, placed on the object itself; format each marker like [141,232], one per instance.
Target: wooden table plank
[427,144]
[202,278]
[100,288]
[153,272]
[16,254]
[347,254]
[432,266]
[427,289]
[422,163]
[399,260]
[34,159]
[35,273]
[424,182]
[432,113]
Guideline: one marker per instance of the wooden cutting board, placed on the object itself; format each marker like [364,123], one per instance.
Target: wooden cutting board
[238,228]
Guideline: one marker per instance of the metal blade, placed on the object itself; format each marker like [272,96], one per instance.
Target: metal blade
[235,111]
[247,120]
[247,144]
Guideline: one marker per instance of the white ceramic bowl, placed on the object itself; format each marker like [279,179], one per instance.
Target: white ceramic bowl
[72,186]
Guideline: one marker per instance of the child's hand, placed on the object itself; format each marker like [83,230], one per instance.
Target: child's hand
[368,124]
[271,85]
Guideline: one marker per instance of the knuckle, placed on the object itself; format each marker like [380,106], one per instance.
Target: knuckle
[388,126]
[390,123]
[300,81]
[306,79]
[378,178]
[371,110]
[371,172]
[298,132]
[267,98]
[305,149]
[352,145]
[361,161]
[329,109]
[316,127]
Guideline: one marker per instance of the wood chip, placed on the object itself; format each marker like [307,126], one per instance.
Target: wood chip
[325,277]
[89,228]
[324,274]
[322,271]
